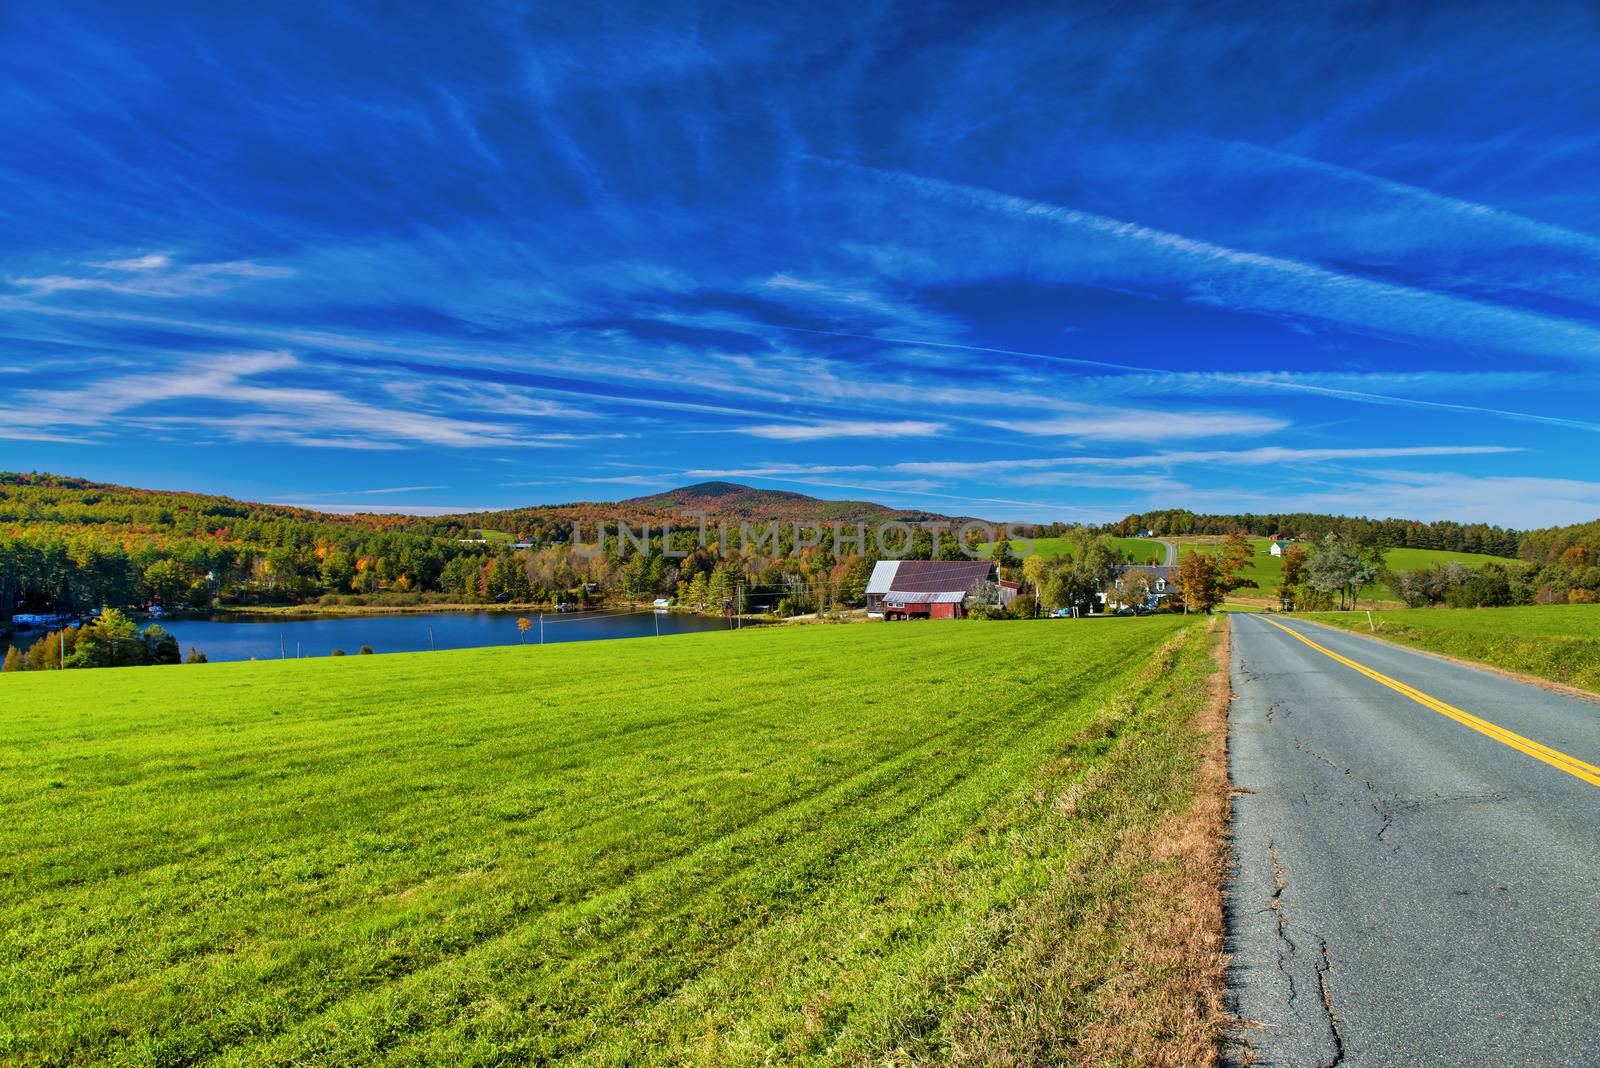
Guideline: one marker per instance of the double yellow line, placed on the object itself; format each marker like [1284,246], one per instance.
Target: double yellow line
[1554,757]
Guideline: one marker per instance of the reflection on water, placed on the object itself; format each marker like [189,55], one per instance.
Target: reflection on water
[268,637]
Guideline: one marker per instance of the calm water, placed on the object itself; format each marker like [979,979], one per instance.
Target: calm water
[243,637]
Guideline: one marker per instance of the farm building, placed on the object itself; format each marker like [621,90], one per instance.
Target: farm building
[1163,582]
[929,589]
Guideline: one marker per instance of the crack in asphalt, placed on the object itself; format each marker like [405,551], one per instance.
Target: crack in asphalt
[1384,812]
[1335,1027]
[1287,950]
[1276,907]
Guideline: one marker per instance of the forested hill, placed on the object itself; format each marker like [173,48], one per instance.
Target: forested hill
[734,501]
[70,545]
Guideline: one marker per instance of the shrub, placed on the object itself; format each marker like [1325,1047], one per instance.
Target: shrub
[337,652]
[1489,588]
[365,650]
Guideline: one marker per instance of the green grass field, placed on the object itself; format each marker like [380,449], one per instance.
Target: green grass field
[1267,570]
[1557,642]
[1142,550]
[1264,568]
[886,843]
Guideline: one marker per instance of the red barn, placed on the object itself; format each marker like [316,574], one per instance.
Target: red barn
[928,589]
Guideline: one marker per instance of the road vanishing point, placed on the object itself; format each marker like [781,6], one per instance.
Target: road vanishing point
[1416,874]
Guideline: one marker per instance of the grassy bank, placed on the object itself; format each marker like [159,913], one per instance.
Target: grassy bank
[1556,642]
[957,842]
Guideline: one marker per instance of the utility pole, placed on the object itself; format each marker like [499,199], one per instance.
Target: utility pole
[541,628]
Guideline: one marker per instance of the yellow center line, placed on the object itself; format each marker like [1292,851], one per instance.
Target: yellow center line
[1554,757]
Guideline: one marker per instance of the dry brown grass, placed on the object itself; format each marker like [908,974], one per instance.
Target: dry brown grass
[1168,1007]
[1121,962]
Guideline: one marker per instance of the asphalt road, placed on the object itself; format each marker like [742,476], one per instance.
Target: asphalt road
[1407,890]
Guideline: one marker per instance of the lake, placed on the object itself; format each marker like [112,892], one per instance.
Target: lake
[242,637]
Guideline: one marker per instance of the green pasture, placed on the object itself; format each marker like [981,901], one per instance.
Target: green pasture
[1557,642]
[888,843]
[1140,550]
[1267,570]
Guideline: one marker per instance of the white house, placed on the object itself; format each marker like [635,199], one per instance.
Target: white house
[1163,583]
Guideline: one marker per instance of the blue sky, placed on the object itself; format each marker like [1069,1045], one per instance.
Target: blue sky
[1058,262]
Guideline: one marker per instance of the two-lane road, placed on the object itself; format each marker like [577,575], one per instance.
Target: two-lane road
[1417,857]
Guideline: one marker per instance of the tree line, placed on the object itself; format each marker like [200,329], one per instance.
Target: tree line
[69,546]
[1481,538]
[111,640]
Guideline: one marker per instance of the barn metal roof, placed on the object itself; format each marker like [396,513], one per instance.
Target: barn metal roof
[882,576]
[941,576]
[928,576]
[912,597]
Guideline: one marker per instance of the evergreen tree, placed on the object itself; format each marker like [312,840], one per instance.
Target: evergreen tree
[160,647]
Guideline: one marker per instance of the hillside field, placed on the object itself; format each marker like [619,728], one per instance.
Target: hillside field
[1141,550]
[963,842]
[1556,642]
[1267,570]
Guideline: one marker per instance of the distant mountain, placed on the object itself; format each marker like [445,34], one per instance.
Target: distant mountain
[734,501]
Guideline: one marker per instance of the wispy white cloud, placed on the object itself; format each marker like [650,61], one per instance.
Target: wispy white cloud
[277,413]
[777,470]
[1142,485]
[153,275]
[1261,456]
[400,489]
[844,428]
[1522,501]
[153,261]
[858,301]
[1114,425]
[1363,396]
[1217,274]
[1385,216]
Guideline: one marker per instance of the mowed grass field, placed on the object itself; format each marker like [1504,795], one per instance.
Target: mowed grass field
[1141,550]
[1556,642]
[1267,570]
[954,842]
